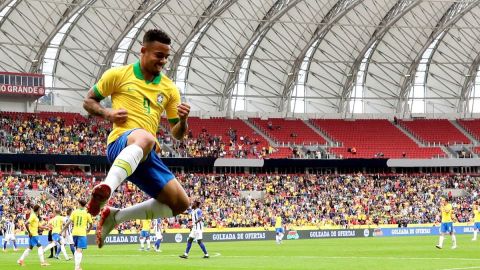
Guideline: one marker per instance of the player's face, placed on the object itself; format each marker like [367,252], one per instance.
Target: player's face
[154,56]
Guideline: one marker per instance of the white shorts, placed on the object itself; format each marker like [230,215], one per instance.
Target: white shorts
[9,237]
[197,234]
[159,236]
[67,240]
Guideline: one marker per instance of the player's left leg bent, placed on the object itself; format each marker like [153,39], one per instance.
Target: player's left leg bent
[155,179]
[125,154]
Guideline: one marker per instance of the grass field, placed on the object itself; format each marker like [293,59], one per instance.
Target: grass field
[359,253]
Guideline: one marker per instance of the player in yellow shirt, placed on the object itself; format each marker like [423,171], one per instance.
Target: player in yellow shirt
[447,223]
[145,233]
[476,220]
[81,221]
[279,231]
[32,225]
[56,223]
[140,94]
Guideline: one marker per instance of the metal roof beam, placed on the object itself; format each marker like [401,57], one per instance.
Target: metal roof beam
[334,15]
[215,8]
[145,7]
[72,9]
[274,13]
[468,85]
[443,25]
[401,8]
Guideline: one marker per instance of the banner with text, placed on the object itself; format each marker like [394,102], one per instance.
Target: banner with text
[22,240]
[115,239]
[418,231]
[22,84]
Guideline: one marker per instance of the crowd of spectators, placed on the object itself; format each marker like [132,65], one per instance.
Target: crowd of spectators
[207,145]
[324,201]
[35,135]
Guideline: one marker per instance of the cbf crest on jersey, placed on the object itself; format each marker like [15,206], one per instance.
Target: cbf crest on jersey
[159,99]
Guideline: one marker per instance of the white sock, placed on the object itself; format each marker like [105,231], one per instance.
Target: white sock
[64,251]
[78,259]
[49,246]
[40,254]
[440,241]
[25,254]
[454,240]
[148,243]
[475,235]
[148,209]
[124,165]
[277,239]
[141,243]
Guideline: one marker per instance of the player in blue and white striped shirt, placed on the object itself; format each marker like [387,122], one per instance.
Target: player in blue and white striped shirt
[8,229]
[67,237]
[157,228]
[196,232]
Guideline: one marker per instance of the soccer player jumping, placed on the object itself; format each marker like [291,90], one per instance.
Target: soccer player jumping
[140,94]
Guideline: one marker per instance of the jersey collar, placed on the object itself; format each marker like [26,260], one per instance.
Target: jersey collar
[138,73]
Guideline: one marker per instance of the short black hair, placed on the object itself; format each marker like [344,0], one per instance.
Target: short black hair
[36,208]
[156,35]
[82,202]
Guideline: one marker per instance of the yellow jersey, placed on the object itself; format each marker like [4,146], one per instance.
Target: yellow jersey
[33,222]
[476,214]
[146,224]
[144,100]
[278,222]
[447,213]
[80,219]
[57,223]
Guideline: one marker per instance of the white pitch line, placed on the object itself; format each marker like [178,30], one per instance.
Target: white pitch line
[463,268]
[312,257]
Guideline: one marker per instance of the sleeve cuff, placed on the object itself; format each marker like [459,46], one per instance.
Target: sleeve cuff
[97,92]
[173,121]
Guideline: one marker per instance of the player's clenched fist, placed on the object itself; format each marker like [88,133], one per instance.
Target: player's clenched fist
[117,116]
[183,111]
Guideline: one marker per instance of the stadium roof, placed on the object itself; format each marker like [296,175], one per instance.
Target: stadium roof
[302,56]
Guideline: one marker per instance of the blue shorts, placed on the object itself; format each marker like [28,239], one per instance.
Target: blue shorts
[56,237]
[151,175]
[446,227]
[34,241]
[80,242]
[145,234]
[278,230]
[476,225]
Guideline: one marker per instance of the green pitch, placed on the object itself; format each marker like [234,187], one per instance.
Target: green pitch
[360,253]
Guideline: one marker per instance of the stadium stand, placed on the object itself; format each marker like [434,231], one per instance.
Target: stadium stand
[304,200]
[435,131]
[287,132]
[472,126]
[372,138]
